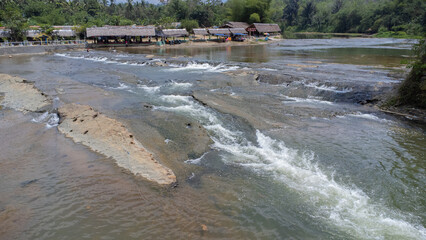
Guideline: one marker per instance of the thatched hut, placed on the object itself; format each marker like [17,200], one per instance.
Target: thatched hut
[237,31]
[120,34]
[64,32]
[172,33]
[235,25]
[219,31]
[200,32]
[264,29]
[32,34]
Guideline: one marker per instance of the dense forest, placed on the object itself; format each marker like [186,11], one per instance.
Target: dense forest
[343,16]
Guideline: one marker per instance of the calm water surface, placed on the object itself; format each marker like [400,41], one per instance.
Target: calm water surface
[293,155]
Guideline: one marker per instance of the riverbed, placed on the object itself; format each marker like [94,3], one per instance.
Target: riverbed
[295,148]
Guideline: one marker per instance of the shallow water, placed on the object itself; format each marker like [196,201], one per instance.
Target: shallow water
[292,157]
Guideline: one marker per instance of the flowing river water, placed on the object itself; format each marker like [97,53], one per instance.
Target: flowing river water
[293,152]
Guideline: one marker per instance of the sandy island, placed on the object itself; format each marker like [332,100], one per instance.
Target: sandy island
[88,127]
[109,137]
[21,95]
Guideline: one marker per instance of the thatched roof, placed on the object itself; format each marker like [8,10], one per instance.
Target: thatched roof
[32,33]
[235,25]
[172,33]
[237,30]
[64,33]
[4,33]
[200,31]
[120,31]
[214,31]
[266,27]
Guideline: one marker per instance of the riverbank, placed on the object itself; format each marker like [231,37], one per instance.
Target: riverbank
[191,44]
[15,50]
[320,35]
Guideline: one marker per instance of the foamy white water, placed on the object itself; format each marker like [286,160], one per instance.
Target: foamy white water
[176,99]
[180,84]
[121,86]
[100,59]
[51,119]
[346,208]
[323,87]
[306,100]
[366,116]
[195,161]
[149,89]
[202,67]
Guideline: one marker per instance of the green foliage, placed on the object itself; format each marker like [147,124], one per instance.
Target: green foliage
[166,22]
[413,90]
[189,24]
[47,29]
[389,18]
[290,12]
[352,16]
[111,12]
[254,18]
[242,10]
[15,22]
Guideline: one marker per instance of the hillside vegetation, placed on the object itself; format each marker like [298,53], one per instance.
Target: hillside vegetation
[388,18]
[412,91]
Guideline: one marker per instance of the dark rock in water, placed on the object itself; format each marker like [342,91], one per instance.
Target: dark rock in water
[26,183]
[368,101]
[276,79]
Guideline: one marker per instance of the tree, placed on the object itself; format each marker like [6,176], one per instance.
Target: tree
[189,25]
[254,18]
[337,5]
[413,90]
[15,22]
[307,14]
[290,12]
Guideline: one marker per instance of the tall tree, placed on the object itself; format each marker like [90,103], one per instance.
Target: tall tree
[290,12]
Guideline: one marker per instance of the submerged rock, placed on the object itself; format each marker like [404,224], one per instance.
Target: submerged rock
[21,95]
[277,79]
[110,138]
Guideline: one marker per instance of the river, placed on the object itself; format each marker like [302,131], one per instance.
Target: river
[296,150]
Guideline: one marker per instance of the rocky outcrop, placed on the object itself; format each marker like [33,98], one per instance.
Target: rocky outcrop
[21,95]
[110,138]
[277,79]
